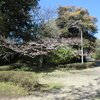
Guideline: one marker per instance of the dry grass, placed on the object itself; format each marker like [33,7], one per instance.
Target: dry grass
[9,90]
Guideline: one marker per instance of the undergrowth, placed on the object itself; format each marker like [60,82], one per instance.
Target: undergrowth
[27,80]
[19,83]
[10,90]
[76,66]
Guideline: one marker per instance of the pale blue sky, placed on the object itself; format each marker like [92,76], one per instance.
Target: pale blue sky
[93,7]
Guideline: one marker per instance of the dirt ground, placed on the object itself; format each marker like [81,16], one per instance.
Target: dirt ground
[77,85]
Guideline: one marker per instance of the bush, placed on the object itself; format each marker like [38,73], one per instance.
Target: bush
[77,59]
[96,55]
[77,66]
[20,66]
[61,55]
[5,68]
[16,65]
[27,80]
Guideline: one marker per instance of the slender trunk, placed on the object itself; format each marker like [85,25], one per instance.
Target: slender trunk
[40,61]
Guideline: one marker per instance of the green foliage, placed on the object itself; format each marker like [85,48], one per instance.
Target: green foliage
[17,19]
[69,15]
[27,64]
[18,67]
[50,29]
[26,68]
[61,55]
[96,55]
[76,66]
[97,44]
[23,63]
[24,79]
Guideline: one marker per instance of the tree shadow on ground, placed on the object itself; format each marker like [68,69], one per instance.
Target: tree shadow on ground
[45,70]
[71,93]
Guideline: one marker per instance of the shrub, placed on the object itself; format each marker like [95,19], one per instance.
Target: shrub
[27,80]
[96,55]
[20,66]
[61,55]
[77,59]
[4,68]
[16,65]
[77,66]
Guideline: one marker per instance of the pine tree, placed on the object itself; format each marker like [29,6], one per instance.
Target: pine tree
[16,18]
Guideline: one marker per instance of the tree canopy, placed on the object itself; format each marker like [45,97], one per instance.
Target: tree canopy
[69,15]
[17,22]
[16,18]
[71,20]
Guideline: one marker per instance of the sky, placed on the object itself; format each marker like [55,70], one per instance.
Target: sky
[93,7]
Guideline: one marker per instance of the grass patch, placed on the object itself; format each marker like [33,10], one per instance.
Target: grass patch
[27,80]
[51,86]
[19,83]
[5,68]
[56,85]
[63,67]
[17,66]
[76,66]
[10,90]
